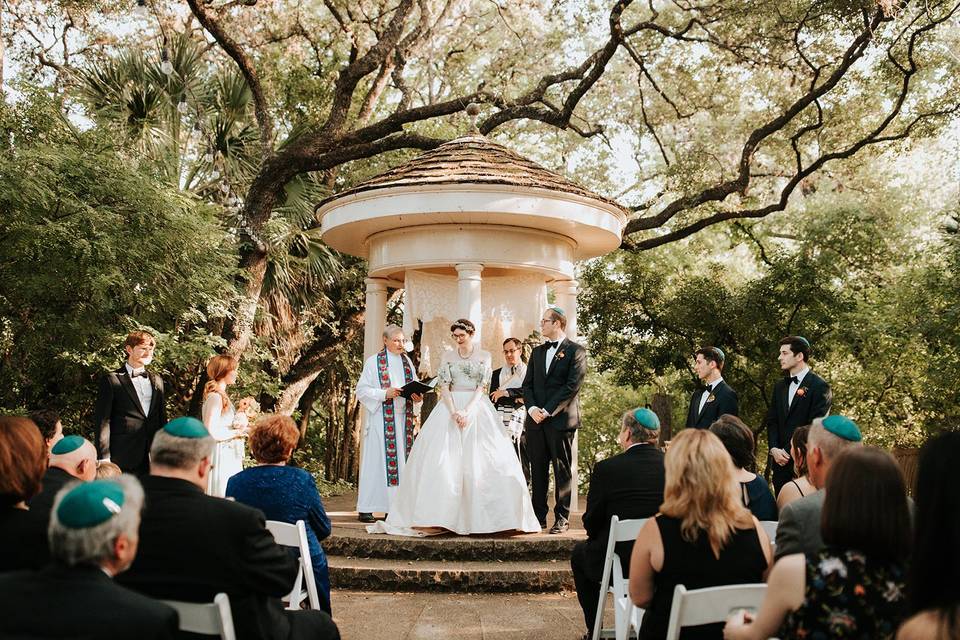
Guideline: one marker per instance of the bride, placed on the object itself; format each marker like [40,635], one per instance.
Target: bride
[462,474]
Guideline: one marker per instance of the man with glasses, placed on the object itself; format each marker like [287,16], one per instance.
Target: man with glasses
[551,391]
[507,397]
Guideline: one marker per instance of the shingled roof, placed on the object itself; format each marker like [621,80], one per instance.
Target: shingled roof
[472,159]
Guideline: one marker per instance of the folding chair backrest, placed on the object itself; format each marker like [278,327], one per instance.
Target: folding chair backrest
[212,619]
[770,526]
[295,535]
[712,604]
[612,575]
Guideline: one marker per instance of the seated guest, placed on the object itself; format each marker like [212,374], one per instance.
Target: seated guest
[107,470]
[703,536]
[798,530]
[283,493]
[932,587]
[854,587]
[71,458]
[48,421]
[800,486]
[93,537]
[23,459]
[754,490]
[628,485]
[194,546]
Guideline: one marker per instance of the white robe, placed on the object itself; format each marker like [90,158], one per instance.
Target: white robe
[373,495]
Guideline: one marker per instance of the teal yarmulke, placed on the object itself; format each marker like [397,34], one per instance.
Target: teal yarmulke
[557,310]
[843,427]
[647,419]
[90,504]
[68,444]
[186,427]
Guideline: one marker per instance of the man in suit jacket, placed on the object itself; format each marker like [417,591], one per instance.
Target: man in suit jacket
[798,530]
[71,458]
[797,399]
[93,536]
[193,546]
[717,397]
[551,391]
[506,386]
[629,486]
[130,407]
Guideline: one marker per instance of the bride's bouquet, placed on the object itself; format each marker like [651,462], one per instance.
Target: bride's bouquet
[247,411]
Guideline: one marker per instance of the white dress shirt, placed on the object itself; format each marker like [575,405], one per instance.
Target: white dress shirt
[143,387]
[792,389]
[706,393]
[552,351]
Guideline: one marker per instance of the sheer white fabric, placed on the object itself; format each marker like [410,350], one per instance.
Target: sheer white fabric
[462,480]
[228,452]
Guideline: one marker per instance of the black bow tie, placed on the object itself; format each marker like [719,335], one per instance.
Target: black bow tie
[142,373]
[551,345]
[795,380]
[708,388]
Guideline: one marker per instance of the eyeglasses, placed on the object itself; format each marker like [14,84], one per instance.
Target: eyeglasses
[507,352]
[458,335]
[547,320]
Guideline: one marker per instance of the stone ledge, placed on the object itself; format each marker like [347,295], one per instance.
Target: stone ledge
[462,548]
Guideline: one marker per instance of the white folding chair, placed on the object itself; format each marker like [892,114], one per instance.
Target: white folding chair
[712,604]
[625,615]
[295,535]
[770,526]
[212,619]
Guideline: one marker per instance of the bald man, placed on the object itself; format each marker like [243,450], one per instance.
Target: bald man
[71,457]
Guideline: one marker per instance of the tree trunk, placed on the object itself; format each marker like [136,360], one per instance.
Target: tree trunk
[662,405]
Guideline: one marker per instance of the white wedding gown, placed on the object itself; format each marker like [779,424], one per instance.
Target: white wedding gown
[461,480]
[228,453]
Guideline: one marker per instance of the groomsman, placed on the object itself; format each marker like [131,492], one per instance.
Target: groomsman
[551,391]
[798,398]
[130,407]
[717,397]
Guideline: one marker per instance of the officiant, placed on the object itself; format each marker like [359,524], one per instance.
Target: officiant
[388,423]
[507,396]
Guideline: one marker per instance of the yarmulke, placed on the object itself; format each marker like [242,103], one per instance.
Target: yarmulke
[68,444]
[803,340]
[842,427]
[557,310]
[647,419]
[186,427]
[720,353]
[90,504]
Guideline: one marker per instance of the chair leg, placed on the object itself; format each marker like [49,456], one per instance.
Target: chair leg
[622,620]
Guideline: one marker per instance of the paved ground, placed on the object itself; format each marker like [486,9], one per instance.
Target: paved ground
[362,615]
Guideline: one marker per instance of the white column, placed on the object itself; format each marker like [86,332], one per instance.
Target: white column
[468,295]
[375,316]
[565,294]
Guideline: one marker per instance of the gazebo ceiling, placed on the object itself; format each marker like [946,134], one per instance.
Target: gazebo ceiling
[471,181]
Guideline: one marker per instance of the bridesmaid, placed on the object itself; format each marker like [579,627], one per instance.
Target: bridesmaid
[223,422]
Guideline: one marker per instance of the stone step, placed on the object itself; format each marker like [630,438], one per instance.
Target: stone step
[377,574]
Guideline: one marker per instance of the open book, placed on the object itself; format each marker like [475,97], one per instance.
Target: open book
[417,386]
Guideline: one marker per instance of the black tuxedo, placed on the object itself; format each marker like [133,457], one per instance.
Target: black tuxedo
[193,546]
[812,400]
[630,486]
[724,401]
[123,431]
[550,443]
[53,480]
[79,602]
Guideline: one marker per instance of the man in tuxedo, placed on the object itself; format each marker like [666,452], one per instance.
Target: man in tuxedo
[71,458]
[193,546]
[507,394]
[551,391]
[93,537]
[130,407]
[628,485]
[798,398]
[717,397]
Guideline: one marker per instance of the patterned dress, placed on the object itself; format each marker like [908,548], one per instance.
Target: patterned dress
[848,595]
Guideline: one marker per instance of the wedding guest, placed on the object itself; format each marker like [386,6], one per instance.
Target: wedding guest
[93,537]
[717,397]
[551,395]
[932,587]
[130,407]
[71,458]
[628,485]
[23,460]
[797,399]
[507,397]
[800,486]
[225,424]
[107,470]
[389,422]
[48,421]
[703,536]
[194,546]
[285,493]
[854,587]
[798,530]
[737,439]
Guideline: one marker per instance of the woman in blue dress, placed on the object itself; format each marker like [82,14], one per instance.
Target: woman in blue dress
[754,490]
[285,493]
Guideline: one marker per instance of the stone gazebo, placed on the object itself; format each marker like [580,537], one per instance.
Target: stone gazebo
[470,230]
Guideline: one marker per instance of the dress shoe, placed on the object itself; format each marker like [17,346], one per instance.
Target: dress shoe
[560,526]
[366,517]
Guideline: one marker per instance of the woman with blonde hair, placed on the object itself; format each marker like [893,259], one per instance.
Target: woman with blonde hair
[702,537]
[223,422]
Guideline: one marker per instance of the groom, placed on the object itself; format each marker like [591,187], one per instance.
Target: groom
[550,393]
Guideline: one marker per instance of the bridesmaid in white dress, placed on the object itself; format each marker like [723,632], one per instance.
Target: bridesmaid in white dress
[462,474]
[223,422]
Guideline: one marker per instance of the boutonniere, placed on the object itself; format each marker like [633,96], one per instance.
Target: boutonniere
[711,398]
[559,356]
[802,391]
